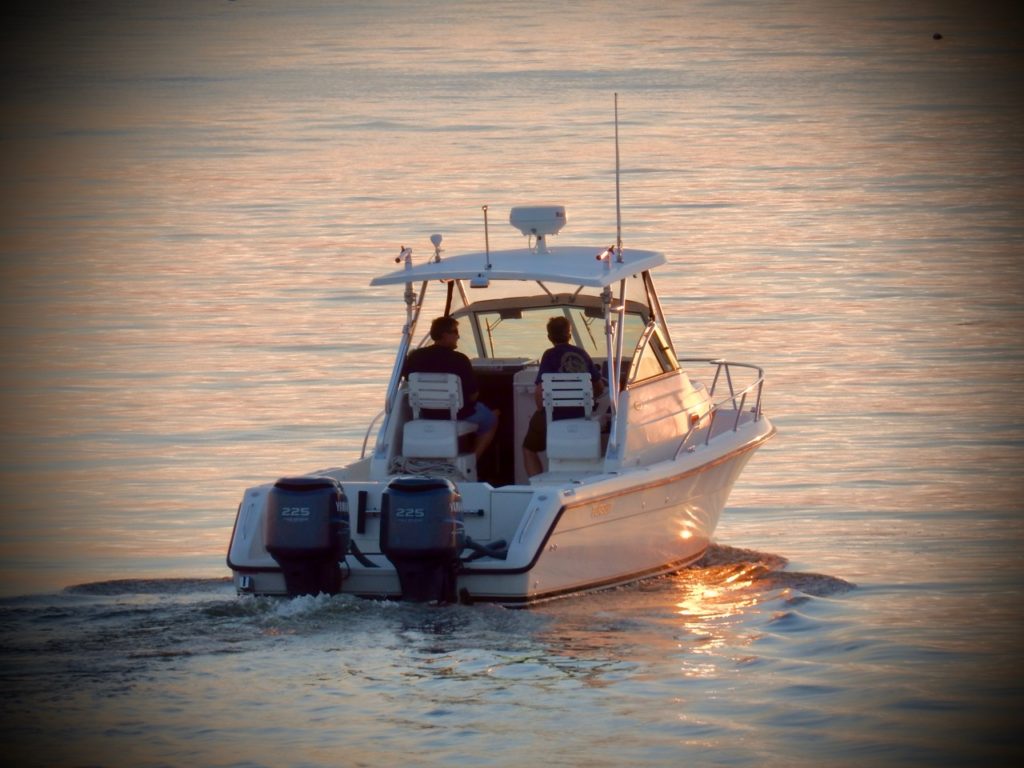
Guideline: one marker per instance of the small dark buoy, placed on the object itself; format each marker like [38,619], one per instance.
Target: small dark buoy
[937,36]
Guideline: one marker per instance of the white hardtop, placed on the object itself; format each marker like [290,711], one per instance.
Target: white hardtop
[573,265]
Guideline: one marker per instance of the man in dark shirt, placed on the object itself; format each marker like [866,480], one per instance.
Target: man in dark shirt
[441,357]
[563,357]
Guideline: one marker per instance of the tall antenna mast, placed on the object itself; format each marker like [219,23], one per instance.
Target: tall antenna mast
[618,200]
[487,239]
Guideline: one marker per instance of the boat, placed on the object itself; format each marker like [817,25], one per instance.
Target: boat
[632,486]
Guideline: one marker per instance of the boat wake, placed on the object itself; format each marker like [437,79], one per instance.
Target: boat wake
[151,587]
[724,564]
[114,636]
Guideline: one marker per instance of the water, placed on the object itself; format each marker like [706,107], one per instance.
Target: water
[195,196]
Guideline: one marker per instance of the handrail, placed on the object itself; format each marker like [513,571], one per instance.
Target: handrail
[725,366]
[369,430]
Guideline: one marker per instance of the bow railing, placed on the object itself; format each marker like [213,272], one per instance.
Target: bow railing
[731,404]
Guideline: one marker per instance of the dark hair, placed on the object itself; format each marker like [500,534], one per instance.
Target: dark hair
[559,330]
[442,325]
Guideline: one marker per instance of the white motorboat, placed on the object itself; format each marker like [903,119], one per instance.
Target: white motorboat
[631,488]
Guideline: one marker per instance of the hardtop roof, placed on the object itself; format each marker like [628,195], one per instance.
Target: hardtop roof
[572,265]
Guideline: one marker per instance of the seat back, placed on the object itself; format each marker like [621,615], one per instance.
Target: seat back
[435,392]
[567,390]
[434,438]
[574,437]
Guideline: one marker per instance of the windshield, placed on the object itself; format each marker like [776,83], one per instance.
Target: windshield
[522,333]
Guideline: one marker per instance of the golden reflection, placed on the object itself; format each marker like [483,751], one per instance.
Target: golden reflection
[713,600]
[722,591]
[700,620]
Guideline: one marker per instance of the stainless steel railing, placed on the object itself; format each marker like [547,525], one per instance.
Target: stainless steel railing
[734,400]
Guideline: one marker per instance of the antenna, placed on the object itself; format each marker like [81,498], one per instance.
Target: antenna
[487,239]
[618,199]
[482,280]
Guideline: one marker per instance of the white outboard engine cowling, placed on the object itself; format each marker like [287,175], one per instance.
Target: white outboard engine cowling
[306,530]
[422,533]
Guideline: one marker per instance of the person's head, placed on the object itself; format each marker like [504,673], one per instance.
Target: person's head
[559,330]
[445,331]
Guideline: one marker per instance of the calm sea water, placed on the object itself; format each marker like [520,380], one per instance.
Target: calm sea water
[195,196]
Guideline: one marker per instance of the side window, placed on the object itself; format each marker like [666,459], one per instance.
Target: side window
[668,357]
[653,357]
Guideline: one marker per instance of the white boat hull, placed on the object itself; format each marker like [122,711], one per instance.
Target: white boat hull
[594,533]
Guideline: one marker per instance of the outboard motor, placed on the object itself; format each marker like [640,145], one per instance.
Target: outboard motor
[306,530]
[422,533]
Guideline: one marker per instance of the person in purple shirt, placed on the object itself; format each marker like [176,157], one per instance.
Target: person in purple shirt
[442,357]
[563,357]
